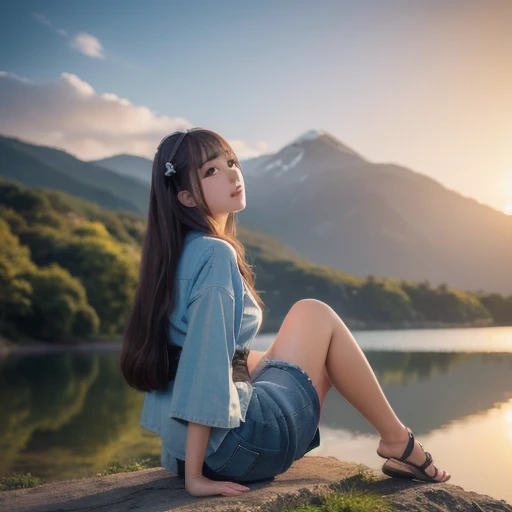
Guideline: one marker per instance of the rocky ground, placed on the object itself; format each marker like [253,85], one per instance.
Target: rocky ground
[159,490]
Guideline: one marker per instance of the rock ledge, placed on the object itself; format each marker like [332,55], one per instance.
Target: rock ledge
[159,490]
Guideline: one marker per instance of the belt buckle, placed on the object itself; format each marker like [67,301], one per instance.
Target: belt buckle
[240,368]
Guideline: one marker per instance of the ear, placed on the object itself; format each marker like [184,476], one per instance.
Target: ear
[185,197]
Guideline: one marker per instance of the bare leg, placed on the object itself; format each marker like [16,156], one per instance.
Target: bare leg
[314,337]
[353,377]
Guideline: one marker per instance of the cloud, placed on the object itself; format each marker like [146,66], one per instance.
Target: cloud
[88,45]
[69,114]
[13,76]
[45,21]
[82,42]
[244,151]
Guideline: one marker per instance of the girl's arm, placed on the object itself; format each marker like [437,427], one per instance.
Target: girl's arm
[195,483]
[197,440]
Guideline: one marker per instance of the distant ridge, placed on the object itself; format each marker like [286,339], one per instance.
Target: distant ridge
[128,165]
[53,168]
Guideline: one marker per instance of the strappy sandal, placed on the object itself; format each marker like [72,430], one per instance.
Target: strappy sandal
[400,468]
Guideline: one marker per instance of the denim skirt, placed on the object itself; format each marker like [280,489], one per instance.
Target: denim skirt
[281,426]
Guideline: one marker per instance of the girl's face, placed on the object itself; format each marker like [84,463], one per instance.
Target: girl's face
[219,178]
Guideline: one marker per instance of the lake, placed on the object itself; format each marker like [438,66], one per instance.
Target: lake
[67,414]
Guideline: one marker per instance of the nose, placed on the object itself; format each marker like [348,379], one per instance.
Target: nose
[235,176]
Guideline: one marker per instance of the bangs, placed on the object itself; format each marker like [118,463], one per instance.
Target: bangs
[212,148]
[206,146]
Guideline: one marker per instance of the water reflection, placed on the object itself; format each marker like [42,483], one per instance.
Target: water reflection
[66,415]
[429,390]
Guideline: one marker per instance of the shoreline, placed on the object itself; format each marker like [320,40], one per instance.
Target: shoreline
[8,347]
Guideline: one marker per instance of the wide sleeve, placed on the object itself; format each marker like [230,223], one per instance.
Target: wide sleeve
[204,391]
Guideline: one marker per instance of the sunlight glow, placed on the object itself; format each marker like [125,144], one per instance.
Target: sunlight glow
[508,209]
[507,415]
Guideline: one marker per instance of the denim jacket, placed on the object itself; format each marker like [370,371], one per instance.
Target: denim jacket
[205,321]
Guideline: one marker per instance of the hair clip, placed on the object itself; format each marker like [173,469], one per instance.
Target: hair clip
[170,169]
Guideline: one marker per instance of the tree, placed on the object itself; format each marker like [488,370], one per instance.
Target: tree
[59,308]
[15,290]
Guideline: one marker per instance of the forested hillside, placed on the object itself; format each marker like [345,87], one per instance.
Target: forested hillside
[69,268]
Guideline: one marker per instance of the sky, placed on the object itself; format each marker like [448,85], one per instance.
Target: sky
[426,84]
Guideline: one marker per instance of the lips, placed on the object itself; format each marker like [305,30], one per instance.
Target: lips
[238,190]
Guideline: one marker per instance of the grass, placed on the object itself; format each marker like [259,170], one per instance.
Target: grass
[351,497]
[347,501]
[364,474]
[24,481]
[130,465]
[18,481]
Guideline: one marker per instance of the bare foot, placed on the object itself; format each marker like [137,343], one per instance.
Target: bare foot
[396,448]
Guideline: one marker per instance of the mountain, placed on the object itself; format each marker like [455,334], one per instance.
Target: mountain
[334,207]
[326,202]
[128,165]
[43,166]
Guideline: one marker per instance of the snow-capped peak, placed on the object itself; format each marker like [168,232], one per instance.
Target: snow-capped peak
[309,135]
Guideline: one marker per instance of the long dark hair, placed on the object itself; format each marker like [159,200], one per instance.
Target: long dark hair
[148,355]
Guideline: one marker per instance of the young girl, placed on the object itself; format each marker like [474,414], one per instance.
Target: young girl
[227,414]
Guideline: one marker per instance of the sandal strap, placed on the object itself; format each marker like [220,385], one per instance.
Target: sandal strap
[421,468]
[427,462]
[433,478]
[409,448]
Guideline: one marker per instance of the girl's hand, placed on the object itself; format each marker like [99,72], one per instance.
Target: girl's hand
[202,486]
